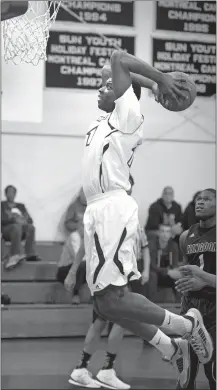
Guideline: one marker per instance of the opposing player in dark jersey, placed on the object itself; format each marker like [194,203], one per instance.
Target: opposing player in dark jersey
[198,245]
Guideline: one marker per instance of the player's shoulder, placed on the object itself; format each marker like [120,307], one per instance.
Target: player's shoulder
[190,233]
[193,230]
[183,238]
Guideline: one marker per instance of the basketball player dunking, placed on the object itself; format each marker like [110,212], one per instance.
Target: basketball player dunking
[198,245]
[111,217]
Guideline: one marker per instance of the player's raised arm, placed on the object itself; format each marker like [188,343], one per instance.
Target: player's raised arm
[144,82]
[123,63]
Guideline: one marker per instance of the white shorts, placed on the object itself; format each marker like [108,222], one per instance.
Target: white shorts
[110,228]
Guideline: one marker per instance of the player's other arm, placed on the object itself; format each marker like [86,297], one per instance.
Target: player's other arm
[194,271]
[209,279]
[122,64]
[143,81]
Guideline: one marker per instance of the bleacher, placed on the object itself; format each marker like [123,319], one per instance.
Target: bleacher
[40,306]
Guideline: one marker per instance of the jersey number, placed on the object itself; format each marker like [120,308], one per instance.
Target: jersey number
[90,135]
[201,261]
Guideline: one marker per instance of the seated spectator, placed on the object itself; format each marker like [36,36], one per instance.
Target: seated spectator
[164,254]
[75,228]
[17,225]
[189,217]
[165,211]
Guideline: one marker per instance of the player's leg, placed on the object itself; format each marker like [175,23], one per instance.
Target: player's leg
[107,374]
[115,337]
[194,367]
[80,376]
[119,302]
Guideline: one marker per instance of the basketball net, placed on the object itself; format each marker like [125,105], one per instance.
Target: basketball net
[25,37]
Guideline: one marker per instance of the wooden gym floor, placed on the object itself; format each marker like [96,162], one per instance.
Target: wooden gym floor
[46,363]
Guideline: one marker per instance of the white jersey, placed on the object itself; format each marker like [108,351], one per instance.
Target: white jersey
[110,146]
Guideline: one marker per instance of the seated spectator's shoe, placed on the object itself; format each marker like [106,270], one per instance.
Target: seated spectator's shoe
[14,261]
[33,258]
[181,361]
[83,378]
[5,299]
[109,379]
[76,300]
[199,338]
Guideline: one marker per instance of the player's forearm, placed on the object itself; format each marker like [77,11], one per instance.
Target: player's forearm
[146,259]
[143,81]
[137,66]
[209,279]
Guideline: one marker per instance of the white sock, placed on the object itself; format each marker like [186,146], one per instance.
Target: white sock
[163,343]
[180,325]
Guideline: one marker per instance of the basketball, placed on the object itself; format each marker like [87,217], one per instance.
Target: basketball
[170,103]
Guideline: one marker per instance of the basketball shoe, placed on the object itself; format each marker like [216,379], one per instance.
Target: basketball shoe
[180,360]
[199,338]
[83,378]
[108,378]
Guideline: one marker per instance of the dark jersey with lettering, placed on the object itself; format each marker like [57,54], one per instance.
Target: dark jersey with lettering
[200,250]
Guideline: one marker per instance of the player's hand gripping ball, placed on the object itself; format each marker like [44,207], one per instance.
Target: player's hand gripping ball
[179,95]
